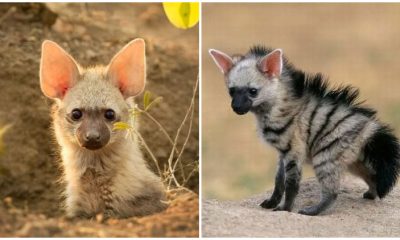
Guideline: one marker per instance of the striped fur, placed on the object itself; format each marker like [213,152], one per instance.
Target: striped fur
[307,121]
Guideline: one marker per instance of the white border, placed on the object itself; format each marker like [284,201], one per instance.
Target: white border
[200,42]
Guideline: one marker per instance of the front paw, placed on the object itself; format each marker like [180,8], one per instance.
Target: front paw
[269,203]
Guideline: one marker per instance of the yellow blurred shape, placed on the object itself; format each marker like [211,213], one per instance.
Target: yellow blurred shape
[2,131]
[182,14]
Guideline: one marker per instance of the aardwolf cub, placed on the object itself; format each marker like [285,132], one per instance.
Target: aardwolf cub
[306,121]
[104,171]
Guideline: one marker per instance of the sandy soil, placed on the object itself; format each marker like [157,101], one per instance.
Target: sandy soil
[92,33]
[351,216]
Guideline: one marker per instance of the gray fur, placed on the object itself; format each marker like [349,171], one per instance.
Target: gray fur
[308,128]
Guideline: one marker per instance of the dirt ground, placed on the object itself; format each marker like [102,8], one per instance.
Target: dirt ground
[351,216]
[350,43]
[179,220]
[29,167]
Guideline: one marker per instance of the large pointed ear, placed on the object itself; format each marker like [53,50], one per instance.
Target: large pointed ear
[58,70]
[127,68]
[271,65]
[223,61]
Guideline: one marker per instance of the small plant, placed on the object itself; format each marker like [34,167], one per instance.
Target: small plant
[169,174]
[183,15]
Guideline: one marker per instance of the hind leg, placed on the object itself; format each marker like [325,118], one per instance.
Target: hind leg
[326,201]
[328,175]
[359,169]
[371,193]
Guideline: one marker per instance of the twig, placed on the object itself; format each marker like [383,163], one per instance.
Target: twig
[171,156]
[159,126]
[182,171]
[148,150]
[190,175]
[187,136]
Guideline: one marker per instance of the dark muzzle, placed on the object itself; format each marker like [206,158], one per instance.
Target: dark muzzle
[93,141]
[93,133]
[241,104]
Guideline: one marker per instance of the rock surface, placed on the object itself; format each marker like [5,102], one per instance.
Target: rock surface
[351,216]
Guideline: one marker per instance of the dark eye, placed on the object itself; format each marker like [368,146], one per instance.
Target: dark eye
[109,114]
[253,92]
[76,114]
[231,91]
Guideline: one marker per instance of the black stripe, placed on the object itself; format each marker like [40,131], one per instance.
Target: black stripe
[293,177]
[272,141]
[321,164]
[346,134]
[290,165]
[314,112]
[337,124]
[279,131]
[327,121]
[285,150]
[368,112]
[322,174]
[326,147]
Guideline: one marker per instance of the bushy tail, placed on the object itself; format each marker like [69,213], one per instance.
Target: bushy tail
[382,152]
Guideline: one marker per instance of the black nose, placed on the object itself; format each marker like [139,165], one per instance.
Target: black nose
[241,104]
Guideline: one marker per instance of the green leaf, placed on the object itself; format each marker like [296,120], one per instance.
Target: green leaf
[135,112]
[153,102]
[146,99]
[121,126]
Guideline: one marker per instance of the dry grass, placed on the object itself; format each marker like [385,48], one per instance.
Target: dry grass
[173,175]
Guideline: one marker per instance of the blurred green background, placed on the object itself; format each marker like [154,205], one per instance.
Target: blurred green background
[356,44]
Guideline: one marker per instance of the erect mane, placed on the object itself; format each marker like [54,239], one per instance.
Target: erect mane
[259,50]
